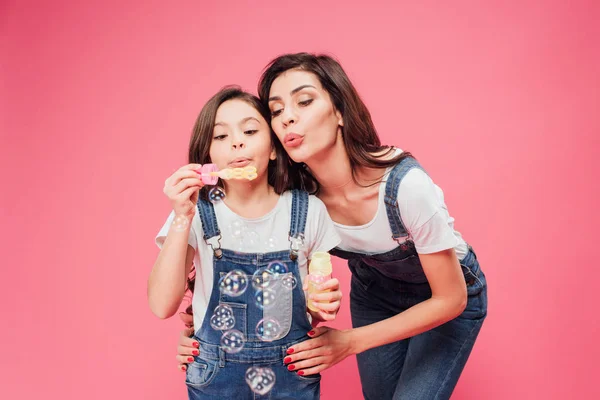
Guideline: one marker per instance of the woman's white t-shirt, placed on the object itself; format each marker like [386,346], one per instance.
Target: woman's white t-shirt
[424,215]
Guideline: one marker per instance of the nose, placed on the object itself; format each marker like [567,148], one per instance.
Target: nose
[238,142]
[289,116]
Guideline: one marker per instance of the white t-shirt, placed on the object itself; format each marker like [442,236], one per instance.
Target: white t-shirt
[424,215]
[268,233]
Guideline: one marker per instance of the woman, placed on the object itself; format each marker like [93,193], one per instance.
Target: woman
[418,296]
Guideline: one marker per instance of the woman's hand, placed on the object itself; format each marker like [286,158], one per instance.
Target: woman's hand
[328,303]
[187,347]
[182,188]
[327,347]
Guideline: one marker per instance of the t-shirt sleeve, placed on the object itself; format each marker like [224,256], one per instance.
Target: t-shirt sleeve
[162,234]
[424,213]
[321,233]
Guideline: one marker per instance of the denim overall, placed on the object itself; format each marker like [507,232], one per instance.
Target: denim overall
[426,366]
[217,374]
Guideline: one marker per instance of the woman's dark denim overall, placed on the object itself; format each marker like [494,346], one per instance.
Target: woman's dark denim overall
[426,366]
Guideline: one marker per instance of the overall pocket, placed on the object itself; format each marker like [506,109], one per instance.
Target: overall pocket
[201,373]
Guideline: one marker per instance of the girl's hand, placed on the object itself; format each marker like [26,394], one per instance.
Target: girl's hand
[182,189]
[186,347]
[328,347]
[328,303]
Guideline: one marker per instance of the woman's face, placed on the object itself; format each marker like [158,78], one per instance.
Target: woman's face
[302,115]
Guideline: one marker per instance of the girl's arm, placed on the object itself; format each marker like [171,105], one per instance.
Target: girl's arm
[168,280]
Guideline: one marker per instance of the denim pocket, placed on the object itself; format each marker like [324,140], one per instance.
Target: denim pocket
[278,314]
[201,373]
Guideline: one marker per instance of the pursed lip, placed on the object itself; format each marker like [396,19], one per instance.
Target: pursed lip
[293,139]
[239,162]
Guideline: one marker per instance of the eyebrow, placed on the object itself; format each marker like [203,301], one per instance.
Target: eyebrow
[241,122]
[293,92]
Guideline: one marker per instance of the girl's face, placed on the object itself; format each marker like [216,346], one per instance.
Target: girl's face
[241,137]
[302,115]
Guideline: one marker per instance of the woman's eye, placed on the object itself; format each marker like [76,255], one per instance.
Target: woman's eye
[275,113]
[220,137]
[251,131]
[305,102]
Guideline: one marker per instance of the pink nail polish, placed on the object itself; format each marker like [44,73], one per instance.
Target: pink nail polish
[291,367]
[290,350]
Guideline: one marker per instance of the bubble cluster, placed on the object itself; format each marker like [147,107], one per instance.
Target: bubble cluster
[233,341]
[260,379]
[234,283]
[222,318]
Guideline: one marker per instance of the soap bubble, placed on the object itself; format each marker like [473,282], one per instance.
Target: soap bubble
[234,283]
[272,244]
[265,299]
[233,341]
[289,282]
[237,229]
[180,223]
[216,194]
[277,268]
[261,279]
[251,240]
[260,379]
[268,329]
[222,318]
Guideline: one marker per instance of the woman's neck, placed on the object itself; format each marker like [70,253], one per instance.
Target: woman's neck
[333,171]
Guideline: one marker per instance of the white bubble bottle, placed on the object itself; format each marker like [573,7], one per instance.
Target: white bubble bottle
[319,271]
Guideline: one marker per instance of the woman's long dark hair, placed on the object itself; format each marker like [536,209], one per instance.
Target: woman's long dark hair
[359,135]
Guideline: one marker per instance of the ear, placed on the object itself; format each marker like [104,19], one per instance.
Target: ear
[273,155]
[339,117]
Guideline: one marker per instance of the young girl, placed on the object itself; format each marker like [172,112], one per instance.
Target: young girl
[418,295]
[250,254]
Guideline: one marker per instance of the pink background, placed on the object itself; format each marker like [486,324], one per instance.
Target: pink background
[499,100]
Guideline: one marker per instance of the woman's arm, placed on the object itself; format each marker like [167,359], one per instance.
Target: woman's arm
[448,300]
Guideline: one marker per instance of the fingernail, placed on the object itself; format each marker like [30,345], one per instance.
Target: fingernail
[183,368]
[195,352]
[290,350]
[287,359]
[196,344]
[311,333]
[300,373]
[291,367]
[190,359]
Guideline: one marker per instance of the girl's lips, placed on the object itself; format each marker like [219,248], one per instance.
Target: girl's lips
[239,163]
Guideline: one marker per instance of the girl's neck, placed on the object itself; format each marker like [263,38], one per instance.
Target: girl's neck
[250,199]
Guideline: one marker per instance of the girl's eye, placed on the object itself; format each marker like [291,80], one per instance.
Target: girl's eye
[220,137]
[251,131]
[275,113]
[305,102]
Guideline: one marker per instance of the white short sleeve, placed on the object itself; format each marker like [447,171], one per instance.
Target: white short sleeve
[424,213]
[162,234]
[321,234]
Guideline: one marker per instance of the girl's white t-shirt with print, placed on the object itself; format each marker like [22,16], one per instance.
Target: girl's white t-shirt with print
[269,233]
[424,215]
